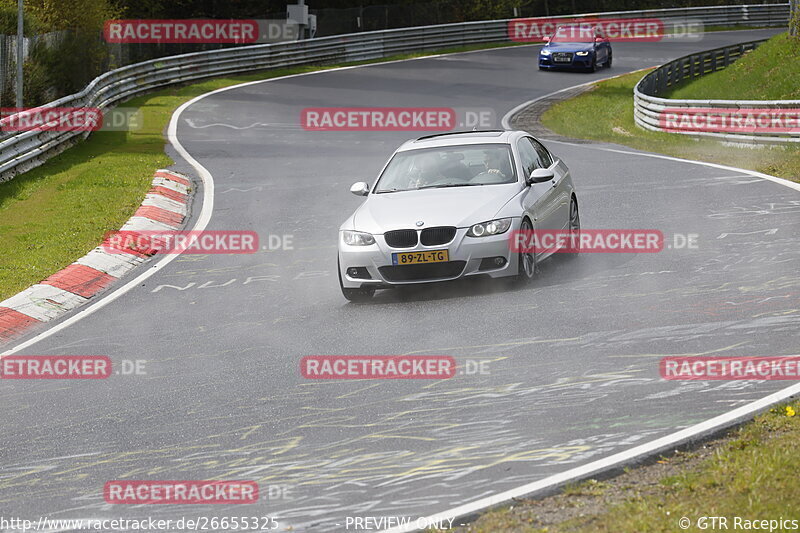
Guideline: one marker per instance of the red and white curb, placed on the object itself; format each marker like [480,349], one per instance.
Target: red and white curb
[164,209]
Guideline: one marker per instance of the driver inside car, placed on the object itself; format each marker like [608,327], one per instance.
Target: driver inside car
[428,171]
[497,164]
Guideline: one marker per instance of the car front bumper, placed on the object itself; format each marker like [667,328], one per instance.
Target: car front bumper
[578,62]
[468,256]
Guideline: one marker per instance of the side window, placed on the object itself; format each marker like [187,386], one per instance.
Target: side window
[528,156]
[599,33]
[545,159]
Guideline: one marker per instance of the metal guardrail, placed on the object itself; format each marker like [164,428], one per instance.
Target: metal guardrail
[652,111]
[674,73]
[22,151]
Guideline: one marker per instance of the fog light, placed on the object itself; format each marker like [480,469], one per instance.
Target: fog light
[492,263]
[358,272]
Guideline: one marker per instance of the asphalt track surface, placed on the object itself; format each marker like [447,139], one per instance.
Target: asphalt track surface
[573,357]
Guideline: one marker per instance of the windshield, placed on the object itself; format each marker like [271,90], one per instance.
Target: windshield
[574,34]
[451,166]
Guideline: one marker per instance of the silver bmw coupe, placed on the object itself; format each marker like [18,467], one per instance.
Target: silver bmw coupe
[445,206]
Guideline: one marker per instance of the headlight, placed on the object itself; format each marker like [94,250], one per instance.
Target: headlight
[357,238]
[584,53]
[493,227]
[545,52]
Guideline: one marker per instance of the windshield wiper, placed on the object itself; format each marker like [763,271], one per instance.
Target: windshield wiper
[444,186]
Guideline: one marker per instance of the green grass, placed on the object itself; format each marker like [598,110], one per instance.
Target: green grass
[751,475]
[732,27]
[754,476]
[57,212]
[606,114]
[590,487]
[770,72]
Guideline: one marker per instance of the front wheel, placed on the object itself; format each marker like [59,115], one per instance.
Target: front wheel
[574,229]
[527,267]
[609,60]
[354,295]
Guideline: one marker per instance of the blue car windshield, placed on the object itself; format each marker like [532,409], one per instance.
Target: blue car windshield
[448,166]
[574,34]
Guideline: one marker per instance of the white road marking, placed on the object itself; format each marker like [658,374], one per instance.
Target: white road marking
[208,196]
[570,475]
[662,444]
[771,231]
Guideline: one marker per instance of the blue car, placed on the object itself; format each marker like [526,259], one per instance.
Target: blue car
[576,48]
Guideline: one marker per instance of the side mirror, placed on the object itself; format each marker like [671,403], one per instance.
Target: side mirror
[540,175]
[598,39]
[360,189]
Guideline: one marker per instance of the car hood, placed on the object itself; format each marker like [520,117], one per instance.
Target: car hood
[569,47]
[457,206]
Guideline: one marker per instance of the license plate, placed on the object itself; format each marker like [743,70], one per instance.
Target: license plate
[562,58]
[416,258]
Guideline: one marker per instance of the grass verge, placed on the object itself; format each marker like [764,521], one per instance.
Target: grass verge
[770,72]
[59,211]
[606,114]
[751,474]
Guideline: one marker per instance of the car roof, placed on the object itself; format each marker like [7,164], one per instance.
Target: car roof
[458,138]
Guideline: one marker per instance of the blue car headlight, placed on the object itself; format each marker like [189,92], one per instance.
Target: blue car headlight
[545,52]
[582,54]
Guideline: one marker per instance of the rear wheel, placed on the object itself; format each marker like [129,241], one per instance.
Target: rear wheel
[527,259]
[354,295]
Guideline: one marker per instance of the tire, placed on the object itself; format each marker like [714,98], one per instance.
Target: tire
[574,226]
[353,295]
[593,68]
[527,267]
[609,60]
